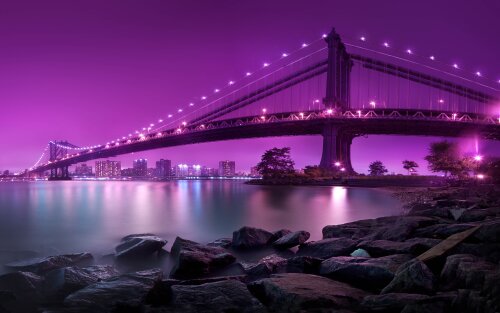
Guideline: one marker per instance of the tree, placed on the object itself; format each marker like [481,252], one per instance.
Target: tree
[276,162]
[444,157]
[317,171]
[377,168]
[410,166]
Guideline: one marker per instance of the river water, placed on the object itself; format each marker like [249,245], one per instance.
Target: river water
[75,216]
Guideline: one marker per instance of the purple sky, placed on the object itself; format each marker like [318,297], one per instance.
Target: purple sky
[88,71]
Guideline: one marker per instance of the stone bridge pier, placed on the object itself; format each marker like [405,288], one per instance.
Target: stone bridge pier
[337,148]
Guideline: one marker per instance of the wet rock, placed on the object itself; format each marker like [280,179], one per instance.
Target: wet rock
[465,271]
[250,237]
[292,239]
[391,302]
[403,227]
[138,246]
[415,246]
[327,248]
[221,242]
[366,273]
[194,260]
[222,296]
[278,234]
[105,295]
[303,264]
[61,282]
[266,266]
[358,229]
[21,291]
[489,231]
[412,277]
[46,264]
[293,292]
[442,231]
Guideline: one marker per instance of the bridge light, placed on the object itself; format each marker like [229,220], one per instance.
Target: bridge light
[160,121]
[441,101]
[432,58]
[151,124]
[180,110]
[409,51]
[179,130]
[144,128]
[478,157]
[337,164]
[324,36]
[454,116]
[169,116]
[284,55]
[373,104]
[362,38]
[91,150]
[316,100]
[263,118]
[266,65]
[202,126]
[264,111]
[455,65]
[117,144]
[301,115]
[184,123]
[230,83]
[216,90]
[203,98]
[248,74]
[480,176]
[329,111]
[478,74]
[304,45]
[359,113]
[342,169]
[159,134]
[386,44]
[129,141]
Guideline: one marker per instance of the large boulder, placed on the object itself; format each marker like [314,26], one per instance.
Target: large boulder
[358,229]
[294,292]
[61,282]
[250,237]
[23,291]
[104,296]
[404,227]
[292,239]
[412,277]
[366,273]
[303,264]
[195,260]
[327,248]
[139,246]
[415,246]
[222,296]
[278,234]
[268,265]
[442,231]
[46,264]
[465,271]
[221,242]
[489,231]
[488,251]
[391,302]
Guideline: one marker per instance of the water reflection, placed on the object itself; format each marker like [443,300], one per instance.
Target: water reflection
[92,216]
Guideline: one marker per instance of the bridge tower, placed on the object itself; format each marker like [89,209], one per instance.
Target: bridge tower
[57,150]
[337,140]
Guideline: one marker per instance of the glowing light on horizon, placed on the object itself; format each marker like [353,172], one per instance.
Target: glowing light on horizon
[386,44]
[478,157]
[230,83]
[265,65]
[432,58]
[455,65]
[284,55]
[248,74]
[409,51]
[324,36]
[203,98]
[480,176]
[373,104]
[304,45]
[337,164]
[478,74]
[329,111]
[216,90]
[362,38]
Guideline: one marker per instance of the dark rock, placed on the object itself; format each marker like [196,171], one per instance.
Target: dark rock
[221,242]
[250,237]
[391,302]
[358,229]
[303,264]
[278,234]
[266,266]
[293,292]
[104,295]
[489,231]
[465,271]
[442,231]
[61,282]
[292,240]
[415,246]
[138,246]
[412,277]
[222,296]
[477,215]
[404,227]
[46,264]
[366,273]
[327,248]
[194,260]
[488,251]
[22,291]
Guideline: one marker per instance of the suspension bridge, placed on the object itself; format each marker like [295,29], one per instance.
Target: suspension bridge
[323,88]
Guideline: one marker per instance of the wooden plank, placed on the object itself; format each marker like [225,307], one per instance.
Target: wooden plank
[447,244]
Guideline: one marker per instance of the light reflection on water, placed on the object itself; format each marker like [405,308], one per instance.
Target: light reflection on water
[74,216]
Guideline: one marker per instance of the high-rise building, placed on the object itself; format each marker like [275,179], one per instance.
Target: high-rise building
[107,168]
[83,170]
[227,168]
[141,167]
[181,170]
[128,172]
[208,171]
[163,168]
[194,170]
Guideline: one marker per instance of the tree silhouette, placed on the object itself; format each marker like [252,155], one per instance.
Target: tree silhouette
[377,168]
[276,162]
[410,166]
[444,157]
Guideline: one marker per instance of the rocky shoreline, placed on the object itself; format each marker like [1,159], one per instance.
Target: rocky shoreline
[371,265]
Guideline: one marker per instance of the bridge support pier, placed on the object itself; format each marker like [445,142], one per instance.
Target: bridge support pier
[61,173]
[336,149]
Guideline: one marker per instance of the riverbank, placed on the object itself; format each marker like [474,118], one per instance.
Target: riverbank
[387,264]
[353,181]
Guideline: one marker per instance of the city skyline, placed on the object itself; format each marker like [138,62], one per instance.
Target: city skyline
[95,103]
